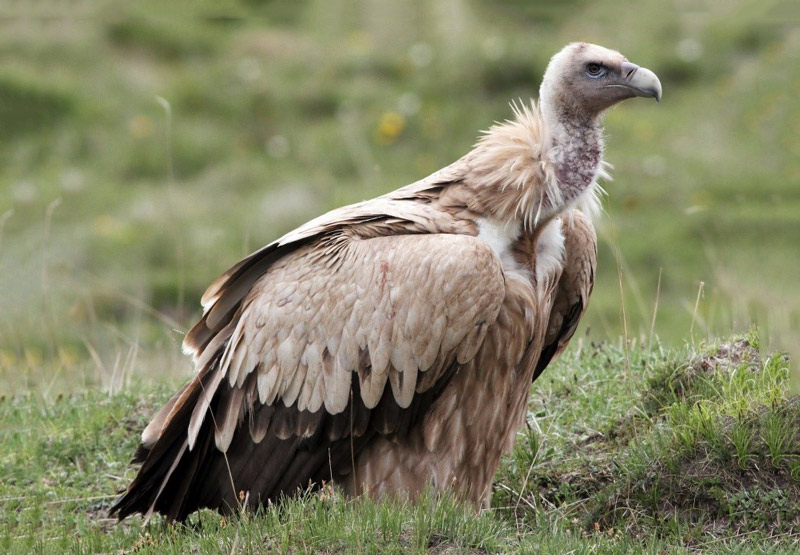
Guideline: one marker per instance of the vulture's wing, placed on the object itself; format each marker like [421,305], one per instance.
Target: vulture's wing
[386,215]
[340,339]
[574,286]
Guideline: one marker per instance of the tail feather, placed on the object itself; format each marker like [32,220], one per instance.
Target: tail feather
[294,448]
[177,479]
[161,460]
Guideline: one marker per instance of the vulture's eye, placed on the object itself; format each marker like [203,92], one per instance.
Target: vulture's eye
[594,70]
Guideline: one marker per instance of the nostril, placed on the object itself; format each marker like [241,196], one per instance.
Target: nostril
[628,70]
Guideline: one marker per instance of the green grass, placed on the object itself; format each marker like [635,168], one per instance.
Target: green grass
[626,450]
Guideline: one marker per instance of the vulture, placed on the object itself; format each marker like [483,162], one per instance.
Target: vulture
[390,345]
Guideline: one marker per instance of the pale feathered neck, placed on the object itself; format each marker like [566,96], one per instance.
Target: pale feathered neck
[515,169]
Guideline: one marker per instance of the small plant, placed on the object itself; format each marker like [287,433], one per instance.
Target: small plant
[740,437]
[776,436]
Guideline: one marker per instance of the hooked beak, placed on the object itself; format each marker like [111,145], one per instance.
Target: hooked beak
[640,81]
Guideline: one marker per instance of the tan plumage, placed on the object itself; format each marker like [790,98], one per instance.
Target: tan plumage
[391,344]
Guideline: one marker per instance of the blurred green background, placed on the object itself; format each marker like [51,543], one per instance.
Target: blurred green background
[145,147]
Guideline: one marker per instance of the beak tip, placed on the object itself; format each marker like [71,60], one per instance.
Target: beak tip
[642,81]
[657,91]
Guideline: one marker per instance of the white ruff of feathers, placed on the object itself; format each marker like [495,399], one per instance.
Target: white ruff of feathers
[514,159]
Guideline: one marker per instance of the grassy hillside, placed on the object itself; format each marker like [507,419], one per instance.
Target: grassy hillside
[626,450]
[144,147]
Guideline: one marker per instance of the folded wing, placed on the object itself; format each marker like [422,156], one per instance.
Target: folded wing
[338,340]
[574,286]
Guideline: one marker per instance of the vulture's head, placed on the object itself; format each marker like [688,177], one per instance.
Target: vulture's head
[584,79]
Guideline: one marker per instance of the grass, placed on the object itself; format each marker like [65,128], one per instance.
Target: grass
[694,450]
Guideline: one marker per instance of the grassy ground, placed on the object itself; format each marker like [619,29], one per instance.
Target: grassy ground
[626,450]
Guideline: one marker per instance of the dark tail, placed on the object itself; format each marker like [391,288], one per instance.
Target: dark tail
[274,451]
[169,466]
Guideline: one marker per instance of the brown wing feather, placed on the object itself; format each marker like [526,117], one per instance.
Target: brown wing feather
[574,286]
[382,216]
[326,311]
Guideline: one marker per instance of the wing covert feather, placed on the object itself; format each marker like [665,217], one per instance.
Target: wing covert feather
[391,309]
[223,297]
